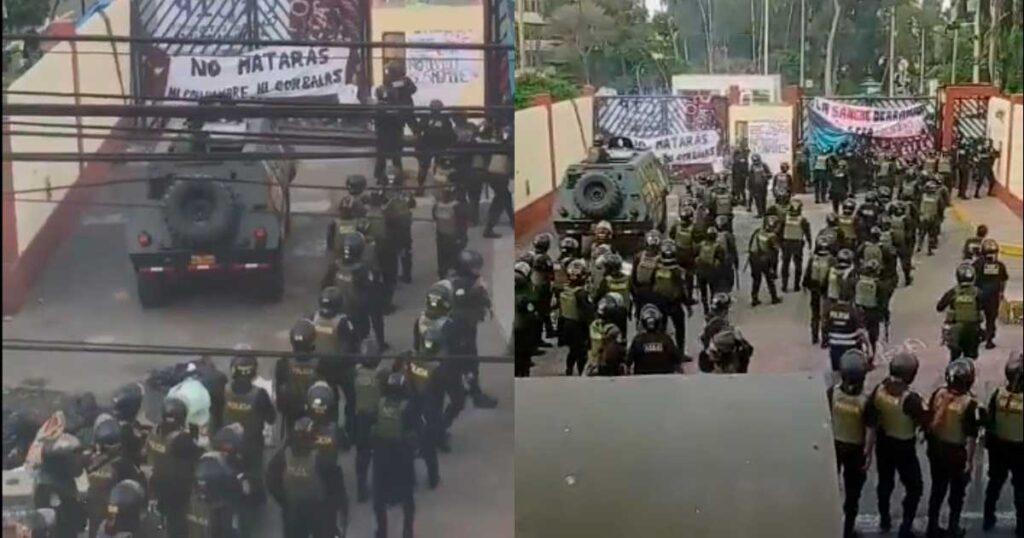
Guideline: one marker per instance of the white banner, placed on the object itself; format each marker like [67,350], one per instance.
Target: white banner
[268,72]
[900,122]
[698,147]
[772,140]
[442,74]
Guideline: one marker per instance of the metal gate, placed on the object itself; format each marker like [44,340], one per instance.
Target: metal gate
[970,118]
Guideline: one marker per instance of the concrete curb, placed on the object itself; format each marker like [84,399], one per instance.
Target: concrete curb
[1006,249]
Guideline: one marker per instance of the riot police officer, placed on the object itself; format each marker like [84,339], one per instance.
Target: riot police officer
[796,235]
[108,467]
[728,352]
[125,513]
[436,134]
[380,226]
[526,326]
[992,277]
[55,487]
[900,413]
[839,185]
[470,304]
[684,233]
[903,235]
[294,375]
[816,279]
[952,440]
[606,356]
[321,408]
[337,335]
[125,404]
[394,434]
[867,216]
[368,380]
[542,274]
[390,127]
[575,315]
[670,293]
[451,228]
[709,265]
[763,255]
[853,429]
[973,244]
[615,281]
[641,279]
[172,455]
[653,351]
[740,173]
[822,162]
[965,309]
[870,298]
[847,223]
[984,159]
[930,216]
[351,209]
[360,286]
[215,495]
[1005,440]
[758,185]
[728,277]
[832,233]
[844,325]
[782,184]
[307,484]
[398,219]
[250,406]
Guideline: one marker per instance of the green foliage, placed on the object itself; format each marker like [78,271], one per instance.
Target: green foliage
[529,85]
[25,14]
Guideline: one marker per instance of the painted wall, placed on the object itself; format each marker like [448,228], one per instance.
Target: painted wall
[101,68]
[998,124]
[1016,161]
[536,148]
[775,119]
[465,21]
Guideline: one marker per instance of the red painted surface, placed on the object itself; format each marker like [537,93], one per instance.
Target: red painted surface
[950,95]
[734,95]
[534,217]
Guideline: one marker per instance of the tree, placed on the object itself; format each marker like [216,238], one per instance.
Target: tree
[581,30]
[25,14]
[830,50]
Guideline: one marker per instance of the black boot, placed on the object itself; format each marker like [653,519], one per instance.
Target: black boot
[484,401]
[907,528]
[776,299]
[490,234]
[989,521]
[885,521]
[989,344]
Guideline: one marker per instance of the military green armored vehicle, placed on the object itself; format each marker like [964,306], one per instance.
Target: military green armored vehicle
[626,187]
[209,226]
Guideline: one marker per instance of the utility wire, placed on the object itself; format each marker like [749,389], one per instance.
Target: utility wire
[258,109]
[65,346]
[71,156]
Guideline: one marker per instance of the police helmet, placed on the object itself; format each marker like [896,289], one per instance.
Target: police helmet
[1015,371]
[394,69]
[771,220]
[651,318]
[982,231]
[720,303]
[832,220]
[303,432]
[899,209]
[331,300]
[63,455]
[845,258]
[755,158]
[603,230]
[652,239]
[229,439]
[711,233]
[795,208]
[853,368]
[352,246]
[871,197]
[576,270]
[214,478]
[126,401]
[608,305]
[722,222]
[989,247]
[784,167]
[849,206]
[668,251]
[106,433]
[470,262]
[965,274]
[686,214]
[885,192]
[823,245]
[174,412]
[875,233]
[125,505]
[569,246]
[320,399]
[598,140]
[904,366]
[960,376]
[613,263]
[522,273]
[528,257]
[884,224]
[439,299]
[356,184]
[600,250]
[243,367]
[303,335]
[542,243]
[436,105]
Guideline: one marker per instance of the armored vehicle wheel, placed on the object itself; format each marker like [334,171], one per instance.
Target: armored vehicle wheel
[597,196]
[153,292]
[200,212]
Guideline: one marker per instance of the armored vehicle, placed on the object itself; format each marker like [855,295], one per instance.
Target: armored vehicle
[227,219]
[625,186]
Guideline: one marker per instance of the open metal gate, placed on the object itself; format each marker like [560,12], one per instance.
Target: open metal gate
[970,118]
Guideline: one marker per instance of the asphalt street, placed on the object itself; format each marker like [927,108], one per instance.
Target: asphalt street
[781,336]
[87,293]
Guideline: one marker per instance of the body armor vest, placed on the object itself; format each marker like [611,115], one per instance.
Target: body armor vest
[367,390]
[619,284]
[241,408]
[836,281]
[1008,417]
[684,242]
[388,426]
[846,225]
[326,334]
[567,307]
[645,268]
[929,206]
[301,375]
[326,440]
[965,306]
[892,419]
[848,417]
[665,283]
[820,266]
[951,426]
[444,218]
[872,252]
[866,293]
[301,480]
[793,230]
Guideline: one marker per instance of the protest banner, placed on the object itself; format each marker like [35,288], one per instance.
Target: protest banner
[891,126]
[272,72]
[772,140]
[442,74]
[698,147]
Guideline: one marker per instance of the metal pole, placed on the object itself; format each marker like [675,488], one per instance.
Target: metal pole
[956,45]
[767,15]
[520,16]
[976,71]
[921,65]
[803,40]
[892,51]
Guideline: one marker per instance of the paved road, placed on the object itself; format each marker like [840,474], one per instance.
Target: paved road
[781,336]
[88,293]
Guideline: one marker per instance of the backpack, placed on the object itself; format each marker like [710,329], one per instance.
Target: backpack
[707,253]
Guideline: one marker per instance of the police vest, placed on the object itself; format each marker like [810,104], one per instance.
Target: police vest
[596,352]
[160,459]
[377,227]
[345,281]
[464,306]
[241,408]
[821,163]
[302,373]
[965,305]
[820,266]
[444,218]
[199,519]
[645,267]
[723,203]
[793,230]
[761,243]
[950,427]
[341,228]
[421,374]
[945,167]
[326,334]
[302,483]
[841,328]
[908,189]
[325,440]
[619,284]
[398,208]
[846,225]
[101,480]
[684,242]
[866,294]
[884,168]
[872,252]
[899,230]
[367,390]
[894,422]
[929,207]
[426,325]
[706,258]
[1009,423]
[930,164]
[665,283]
[836,282]
[848,417]
[567,305]
[388,426]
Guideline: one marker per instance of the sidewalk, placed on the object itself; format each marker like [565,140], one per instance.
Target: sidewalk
[1003,225]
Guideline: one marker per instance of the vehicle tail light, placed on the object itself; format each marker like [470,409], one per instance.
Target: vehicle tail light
[144,239]
[259,236]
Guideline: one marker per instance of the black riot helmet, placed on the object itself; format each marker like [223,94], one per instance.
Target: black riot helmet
[243,367]
[720,304]
[853,368]
[126,401]
[711,233]
[899,209]
[214,479]
[1015,371]
[470,262]
[849,207]
[771,221]
[652,240]
[522,274]
[960,376]
[330,301]
[303,336]
[872,268]
[439,300]
[125,506]
[612,263]
[320,399]
[576,271]
[722,222]
[608,306]
[686,214]
[668,250]
[528,257]
[651,318]
[435,106]
[352,247]
[174,413]
[832,220]
[990,248]
[568,246]
[63,456]
[904,366]
[823,245]
[355,184]
[784,167]
[965,274]
[229,440]
[542,243]
[875,233]
[795,208]
[871,197]
[845,258]
[106,433]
